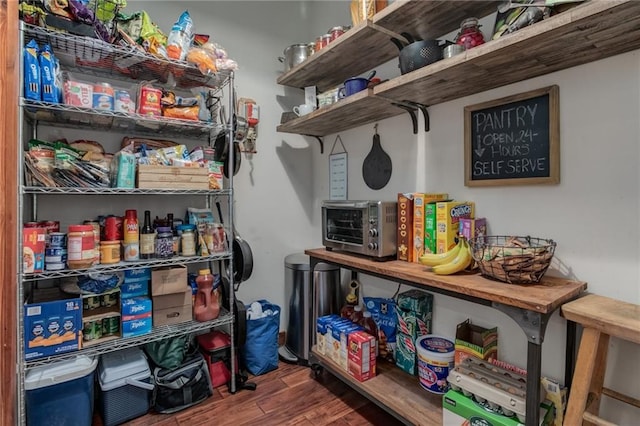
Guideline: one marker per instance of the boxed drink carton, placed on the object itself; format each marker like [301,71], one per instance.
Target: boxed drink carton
[473,340]
[460,410]
[406,354]
[420,200]
[405,227]
[361,362]
[448,215]
[472,228]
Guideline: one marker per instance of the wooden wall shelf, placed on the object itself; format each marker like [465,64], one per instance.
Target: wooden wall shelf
[589,32]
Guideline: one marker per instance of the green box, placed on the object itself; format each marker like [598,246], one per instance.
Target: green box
[430,228]
[406,356]
[459,410]
[414,311]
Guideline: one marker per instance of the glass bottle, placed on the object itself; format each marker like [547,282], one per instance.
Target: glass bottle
[470,34]
[356,315]
[164,243]
[147,238]
[176,239]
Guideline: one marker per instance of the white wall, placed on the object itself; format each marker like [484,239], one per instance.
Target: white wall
[593,213]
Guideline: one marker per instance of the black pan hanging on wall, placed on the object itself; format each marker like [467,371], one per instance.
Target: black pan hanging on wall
[376,168]
[223,145]
[242,256]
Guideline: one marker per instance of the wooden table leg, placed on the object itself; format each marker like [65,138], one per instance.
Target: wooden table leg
[597,380]
[585,364]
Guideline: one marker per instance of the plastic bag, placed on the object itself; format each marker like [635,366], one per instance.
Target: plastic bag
[180,37]
[260,351]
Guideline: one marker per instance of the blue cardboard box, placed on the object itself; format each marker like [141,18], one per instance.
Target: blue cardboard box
[135,308]
[52,328]
[134,289]
[136,275]
[137,326]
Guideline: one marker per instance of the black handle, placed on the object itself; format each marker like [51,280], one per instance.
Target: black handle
[409,37]
[398,43]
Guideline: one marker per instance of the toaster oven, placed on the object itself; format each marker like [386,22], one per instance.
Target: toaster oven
[363,227]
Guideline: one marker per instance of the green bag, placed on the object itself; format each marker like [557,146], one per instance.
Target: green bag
[168,353]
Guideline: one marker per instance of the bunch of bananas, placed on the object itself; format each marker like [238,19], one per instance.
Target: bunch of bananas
[450,262]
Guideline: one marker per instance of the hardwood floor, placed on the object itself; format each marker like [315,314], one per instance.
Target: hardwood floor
[289,395]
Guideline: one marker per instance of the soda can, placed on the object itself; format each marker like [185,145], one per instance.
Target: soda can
[91,302]
[110,326]
[89,331]
[108,300]
[112,228]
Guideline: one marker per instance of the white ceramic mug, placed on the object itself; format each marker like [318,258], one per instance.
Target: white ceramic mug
[303,109]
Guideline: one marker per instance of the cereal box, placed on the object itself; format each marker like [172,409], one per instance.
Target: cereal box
[471,228]
[344,343]
[419,202]
[78,94]
[430,227]
[33,245]
[448,215]
[361,362]
[405,227]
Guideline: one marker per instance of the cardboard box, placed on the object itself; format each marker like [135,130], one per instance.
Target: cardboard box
[163,177]
[169,280]
[33,245]
[473,340]
[134,289]
[52,328]
[448,215]
[138,326]
[136,308]
[406,354]
[460,410]
[430,228]
[362,356]
[322,324]
[472,228]
[172,308]
[405,227]
[419,202]
[414,312]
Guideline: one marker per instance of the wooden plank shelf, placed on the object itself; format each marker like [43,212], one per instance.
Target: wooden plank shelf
[586,33]
[543,297]
[394,390]
[368,44]
[355,110]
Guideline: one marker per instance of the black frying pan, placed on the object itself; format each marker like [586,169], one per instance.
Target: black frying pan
[223,145]
[242,255]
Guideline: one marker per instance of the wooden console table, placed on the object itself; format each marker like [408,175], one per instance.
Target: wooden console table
[530,306]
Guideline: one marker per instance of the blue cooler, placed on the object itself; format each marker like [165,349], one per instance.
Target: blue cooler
[125,386]
[61,393]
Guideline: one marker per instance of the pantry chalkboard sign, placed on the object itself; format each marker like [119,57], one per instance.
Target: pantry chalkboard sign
[513,140]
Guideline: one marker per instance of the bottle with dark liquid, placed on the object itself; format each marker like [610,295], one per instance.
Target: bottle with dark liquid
[147,238]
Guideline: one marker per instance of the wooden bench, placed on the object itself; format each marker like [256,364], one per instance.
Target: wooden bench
[601,317]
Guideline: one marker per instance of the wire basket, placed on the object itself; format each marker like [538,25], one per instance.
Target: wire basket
[514,260]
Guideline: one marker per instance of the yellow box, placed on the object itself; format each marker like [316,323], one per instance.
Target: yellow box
[419,202]
[448,215]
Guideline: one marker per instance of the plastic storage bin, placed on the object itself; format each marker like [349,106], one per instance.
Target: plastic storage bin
[125,387]
[61,393]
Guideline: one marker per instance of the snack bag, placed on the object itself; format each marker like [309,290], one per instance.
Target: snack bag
[31,72]
[180,37]
[383,312]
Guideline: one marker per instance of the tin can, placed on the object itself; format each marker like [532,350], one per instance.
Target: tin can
[103,96]
[109,300]
[91,302]
[31,225]
[91,330]
[123,102]
[110,326]
[112,228]
[54,266]
[109,252]
[50,225]
[57,240]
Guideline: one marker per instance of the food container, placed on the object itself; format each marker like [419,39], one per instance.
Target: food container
[149,101]
[326,39]
[470,34]
[109,252]
[81,247]
[122,102]
[435,359]
[336,32]
[295,54]
[452,50]
[103,96]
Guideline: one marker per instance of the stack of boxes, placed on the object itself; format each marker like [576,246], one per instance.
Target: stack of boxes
[420,202]
[135,302]
[415,311]
[348,345]
[172,301]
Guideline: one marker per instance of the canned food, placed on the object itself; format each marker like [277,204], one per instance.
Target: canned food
[110,326]
[62,259]
[54,266]
[31,224]
[123,102]
[50,225]
[149,101]
[91,330]
[108,300]
[57,240]
[91,302]
[55,251]
[112,228]
[103,96]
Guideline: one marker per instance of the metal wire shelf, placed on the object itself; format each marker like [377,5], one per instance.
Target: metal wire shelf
[157,333]
[94,56]
[61,115]
[122,191]
[121,266]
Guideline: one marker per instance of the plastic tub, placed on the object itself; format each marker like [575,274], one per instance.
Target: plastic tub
[61,393]
[435,359]
[124,378]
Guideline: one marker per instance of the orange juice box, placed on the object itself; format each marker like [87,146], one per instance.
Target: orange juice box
[472,228]
[405,227]
[419,202]
[448,215]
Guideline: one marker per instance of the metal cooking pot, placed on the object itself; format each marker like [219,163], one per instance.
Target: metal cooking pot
[294,55]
